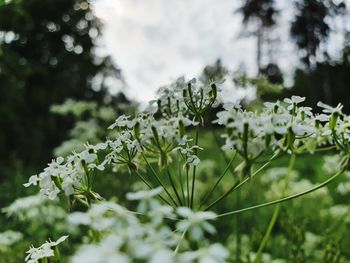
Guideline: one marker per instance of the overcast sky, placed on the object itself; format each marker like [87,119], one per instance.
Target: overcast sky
[156,41]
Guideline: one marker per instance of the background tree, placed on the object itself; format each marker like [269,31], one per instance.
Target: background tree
[47,53]
[310,28]
[262,15]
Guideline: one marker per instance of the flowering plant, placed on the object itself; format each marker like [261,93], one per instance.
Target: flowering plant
[162,147]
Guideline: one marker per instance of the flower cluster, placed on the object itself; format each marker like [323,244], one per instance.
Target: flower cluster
[121,235]
[46,250]
[31,208]
[9,237]
[144,136]
[159,133]
[162,147]
[278,125]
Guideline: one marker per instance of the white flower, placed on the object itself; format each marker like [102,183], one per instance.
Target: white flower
[60,240]
[31,208]
[9,237]
[329,109]
[44,251]
[107,251]
[88,157]
[145,194]
[184,140]
[339,211]
[33,180]
[188,152]
[96,217]
[195,222]
[122,121]
[215,253]
[161,256]
[193,159]
[344,188]
[294,100]
[322,117]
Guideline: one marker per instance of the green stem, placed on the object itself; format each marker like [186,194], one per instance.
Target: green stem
[173,186]
[223,154]
[275,212]
[150,187]
[329,180]
[217,182]
[194,167]
[181,182]
[189,88]
[188,185]
[238,230]
[178,244]
[267,233]
[158,179]
[238,184]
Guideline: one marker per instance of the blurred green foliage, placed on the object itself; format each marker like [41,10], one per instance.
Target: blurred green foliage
[47,54]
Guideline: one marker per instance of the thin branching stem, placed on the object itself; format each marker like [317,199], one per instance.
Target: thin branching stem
[188,185]
[275,212]
[181,182]
[179,243]
[158,179]
[218,181]
[329,180]
[194,168]
[150,187]
[238,184]
[173,186]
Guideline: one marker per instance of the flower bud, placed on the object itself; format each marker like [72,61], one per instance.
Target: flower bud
[181,128]
[137,131]
[184,93]
[290,138]
[317,124]
[214,90]
[293,112]
[169,105]
[178,105]
[267,139]
[132,167]
[245,138]
[155,133]
[333,120]
[245,132]
[163,159]
[57,182]
[159,104]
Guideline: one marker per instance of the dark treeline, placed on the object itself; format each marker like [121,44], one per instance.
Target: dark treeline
[47,54]
[319,77]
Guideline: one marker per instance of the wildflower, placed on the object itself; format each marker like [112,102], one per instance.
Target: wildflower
[31,208]
[33,180]
[294,100]
[215,253]
[195,222]
[97,253]
[329,109]
[9,237]
[344,188]
[44,251]
[193,159]
[96,217]
[122,121]
[144,195]
[322,117]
